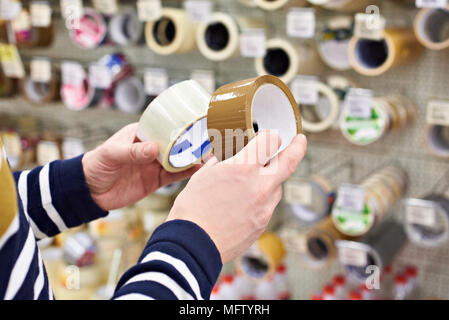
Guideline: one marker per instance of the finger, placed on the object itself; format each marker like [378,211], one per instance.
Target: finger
[127,133]
[259,150]
[212,161]
[168,177]
[285,164]
[135,153]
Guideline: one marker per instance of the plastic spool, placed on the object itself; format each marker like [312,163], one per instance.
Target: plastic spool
[375,57]
[270,5]
[259,263]
[219,38]
[39,92]
[173,33]
[285,61]
[129,95]
[431,235]
[329,107]
[333,42]
[379,247]
[125,28]
[343,5]
[437,140]
[92,32]
[432,28]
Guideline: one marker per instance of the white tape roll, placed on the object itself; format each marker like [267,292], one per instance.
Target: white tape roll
[176,121]
[432,28]
[129,95]
[172,33]
[125,28]
[92,31]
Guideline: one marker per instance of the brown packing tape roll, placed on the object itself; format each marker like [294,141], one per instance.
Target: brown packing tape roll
[373,57]
[236,107]
[43,36]
[40,92]
[431,28]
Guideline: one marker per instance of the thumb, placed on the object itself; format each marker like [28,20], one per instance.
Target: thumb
[137,153]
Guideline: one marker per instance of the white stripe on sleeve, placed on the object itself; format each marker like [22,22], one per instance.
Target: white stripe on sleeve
[12,229]
[39,284]
[134,296]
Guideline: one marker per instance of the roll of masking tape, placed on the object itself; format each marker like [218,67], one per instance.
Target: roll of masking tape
[92,30]
[278,4]
[437,140]
[432,27]
[333,42]
[261,260]
[176,121]
[129,95]
[219,38]
[125,28]
[246,106]
[285,60]
[325,112]
[40,92]
[343,5]
[375,57]
[172,33]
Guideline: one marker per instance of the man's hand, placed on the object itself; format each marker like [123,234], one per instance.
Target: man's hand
[121,172]
[233,200]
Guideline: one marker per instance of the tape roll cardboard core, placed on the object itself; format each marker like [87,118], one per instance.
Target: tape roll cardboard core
[432,28]
[317,248]
[217,36]
[276,62]
[164,31]
[125,28]
[438,140]
[371,53]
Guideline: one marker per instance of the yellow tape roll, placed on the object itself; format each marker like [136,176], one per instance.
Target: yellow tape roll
[431,28]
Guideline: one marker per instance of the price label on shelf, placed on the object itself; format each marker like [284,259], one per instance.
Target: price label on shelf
[72,73]
[40,12]
[305,89]
[421,212]
[205,78]
[9,9]
[21,22]
[149,10]
[301,22]
[40,70]
[72,147]
[298,192]
[71,9]
[352,257]
[11,62]
[100,76]
[438,112]
[198,10]
[369,26]
[431,3]
[358,102]
[351,197]
[253,43]
[108,7]
[155,81]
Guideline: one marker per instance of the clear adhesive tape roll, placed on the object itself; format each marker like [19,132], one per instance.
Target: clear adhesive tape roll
[285,60]
[125,28]
[176,121]
[241,107]
[278,4]
[375,57]
[437,140]
[129,95]
[432,27]
[333,42]
[39,92]
[219,38]
[343,5]
[92,31]
[326,118]
[173,33]
[261,260]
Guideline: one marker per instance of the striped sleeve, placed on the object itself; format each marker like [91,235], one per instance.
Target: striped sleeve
[180,261]
[56,197]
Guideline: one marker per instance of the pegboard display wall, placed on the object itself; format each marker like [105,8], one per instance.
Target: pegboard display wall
[422,80]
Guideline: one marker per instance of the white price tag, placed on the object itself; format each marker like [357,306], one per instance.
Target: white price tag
[301,22]
[9,9]
[438,112]
[149,10]
[253,43]
[421,214]
[198,10]
[40,12]
[40,70]
[72,73]
[352,257]
[72,147]
[358,102]
[305,90]
[351,197]
[155,80]
[205,78]
[431,3]
[71,9]
[108,7]
[47,151]
[298,192]
[21,22]
[100,76]
[369,26]
[11,62]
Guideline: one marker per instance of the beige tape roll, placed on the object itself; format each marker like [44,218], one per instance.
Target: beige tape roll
[373,58]
[285,60]
[432,28]
[248,3]
[261,260]
[278,4]
[327,99]
[236,110]
[176,121]
[343,5]
[219,39]
[173,33]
